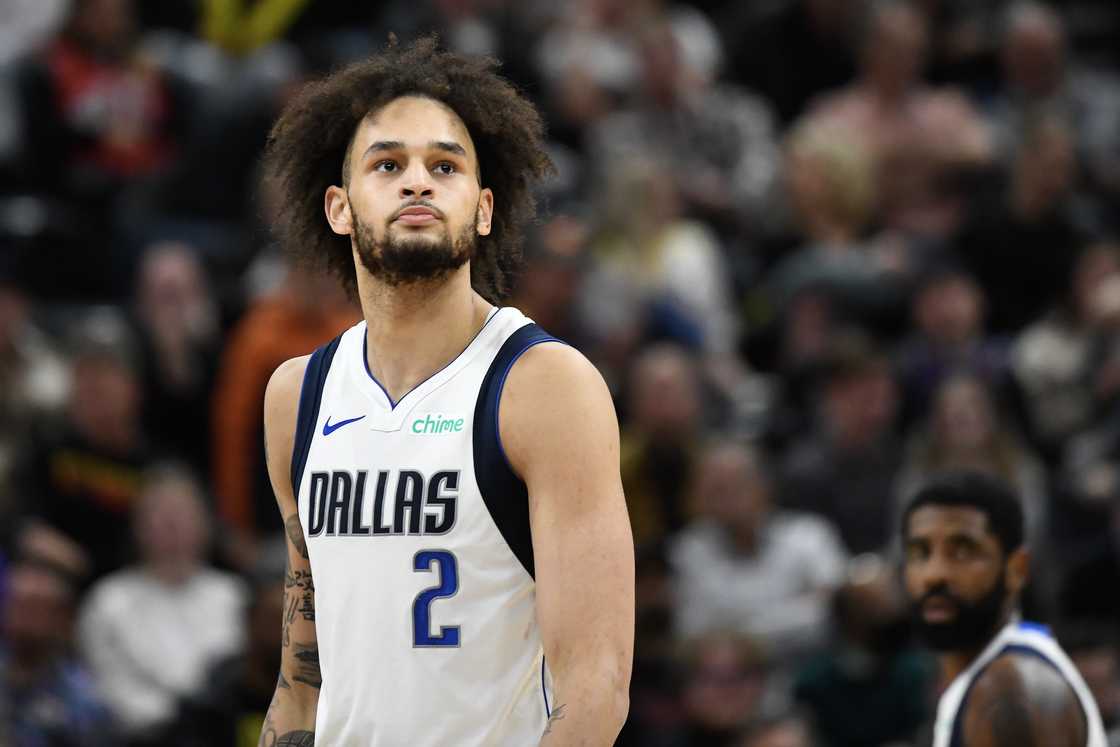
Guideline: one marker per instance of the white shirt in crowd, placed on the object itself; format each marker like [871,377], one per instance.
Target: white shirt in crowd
[149,644]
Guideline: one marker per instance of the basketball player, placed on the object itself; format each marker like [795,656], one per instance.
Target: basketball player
[460,558]
[965,565]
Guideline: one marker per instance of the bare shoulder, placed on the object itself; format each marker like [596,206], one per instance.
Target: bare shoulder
[1021,699]
[549,365]
[553,395]
[281,408]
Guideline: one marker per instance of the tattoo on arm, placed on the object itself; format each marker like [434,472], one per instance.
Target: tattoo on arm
[557,715]
[307,658]
[300,738]
[282,683]
[295,534]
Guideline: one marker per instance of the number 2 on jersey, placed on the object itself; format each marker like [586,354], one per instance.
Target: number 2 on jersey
[422,608]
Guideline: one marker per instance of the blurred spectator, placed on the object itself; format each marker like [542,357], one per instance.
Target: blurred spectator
[1031,229]
[306,311]
[33,382]
[844,470]
[948,313]
[795,51]
[1062,361]
[663,427]
[1040,82]
[151,632]
[831,182]
[97,115]
[229,709]
[720,139]
[965,431]
[547,290]
[870,667]
[658,274]
[83,476]
[725,685]
[921,139]
[742,565]
[97,121]
[46,700]
[783,730]
[178,321]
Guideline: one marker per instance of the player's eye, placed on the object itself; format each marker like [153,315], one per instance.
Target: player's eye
[445,167]
[916,553]
[386,166]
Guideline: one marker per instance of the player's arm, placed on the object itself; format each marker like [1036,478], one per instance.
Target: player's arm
[291,716]
[560,434]
[1022,701]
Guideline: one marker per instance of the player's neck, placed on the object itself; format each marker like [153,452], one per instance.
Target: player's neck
[414,330]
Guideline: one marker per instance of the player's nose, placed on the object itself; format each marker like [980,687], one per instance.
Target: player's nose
[417,182]
[934,573]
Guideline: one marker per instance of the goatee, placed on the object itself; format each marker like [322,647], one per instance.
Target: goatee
[974,625]
[401,261]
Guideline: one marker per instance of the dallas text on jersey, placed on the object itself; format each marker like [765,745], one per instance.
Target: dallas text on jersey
[422,505]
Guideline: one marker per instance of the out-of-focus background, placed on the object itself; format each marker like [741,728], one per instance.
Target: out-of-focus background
[818,248]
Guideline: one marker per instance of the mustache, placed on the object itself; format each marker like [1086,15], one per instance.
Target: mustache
[417,203]
[940,593]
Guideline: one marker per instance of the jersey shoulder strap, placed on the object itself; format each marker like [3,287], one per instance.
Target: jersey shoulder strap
[310,398]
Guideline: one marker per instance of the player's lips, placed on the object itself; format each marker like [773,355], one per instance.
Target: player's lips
[417,216]
[938,610]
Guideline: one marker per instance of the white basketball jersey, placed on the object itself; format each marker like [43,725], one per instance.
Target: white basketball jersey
[1021,638]
[418,534]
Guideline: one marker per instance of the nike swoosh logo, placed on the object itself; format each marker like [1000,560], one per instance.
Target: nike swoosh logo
[328,429]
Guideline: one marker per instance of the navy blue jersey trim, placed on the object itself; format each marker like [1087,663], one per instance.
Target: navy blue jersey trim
[392,404]
[544,692]
[503,492]
[310,397]
[957,739]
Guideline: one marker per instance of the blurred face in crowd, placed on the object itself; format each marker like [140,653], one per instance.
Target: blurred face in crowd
[958,578]
[871,613]
[665,394]
[730,488]
[1095,283]
[171,523]
[104,396]
[860,406]
[963,415]
[412,203]
[949,311]
[173,290]
[1034,51]
[895,49]
[36,614]
[107,26]
[1044,169]
[724,685]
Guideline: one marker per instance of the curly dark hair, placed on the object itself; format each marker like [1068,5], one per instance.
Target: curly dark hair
[308,147]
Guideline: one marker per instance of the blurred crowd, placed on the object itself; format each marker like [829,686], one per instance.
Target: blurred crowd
[819,249]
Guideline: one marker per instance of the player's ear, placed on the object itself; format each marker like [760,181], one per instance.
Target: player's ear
[485,212]
[1018,569]
[336,203]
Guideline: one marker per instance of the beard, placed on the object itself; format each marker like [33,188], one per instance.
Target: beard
[399,260]
[972,628]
